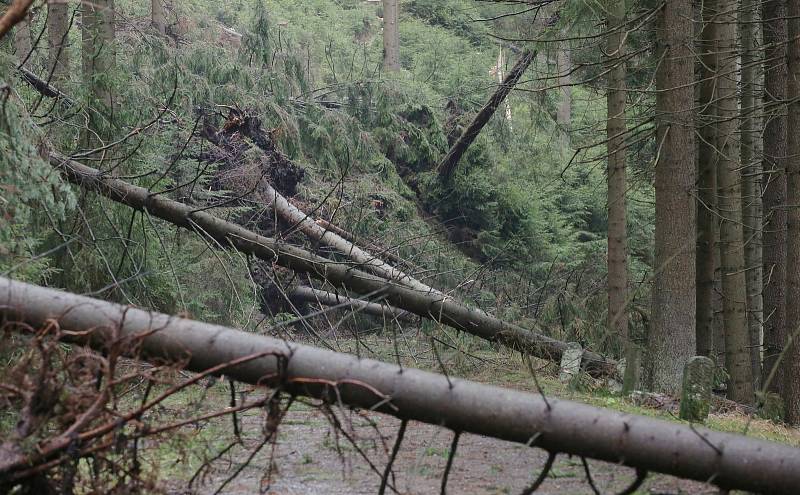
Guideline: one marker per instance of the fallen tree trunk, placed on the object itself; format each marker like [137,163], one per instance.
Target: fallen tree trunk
[434,306]
[559,426]
[43,87]
[366,261]
[448,164]
[312,295]
[384,253]
[250,126]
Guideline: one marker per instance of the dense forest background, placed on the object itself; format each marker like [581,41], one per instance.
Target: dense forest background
[526,210]
[632,196]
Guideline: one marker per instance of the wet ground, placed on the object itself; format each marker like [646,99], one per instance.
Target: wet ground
[310,458]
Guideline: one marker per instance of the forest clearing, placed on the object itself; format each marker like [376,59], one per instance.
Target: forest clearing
[399,246]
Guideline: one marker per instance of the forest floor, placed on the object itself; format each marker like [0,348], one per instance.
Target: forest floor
[311,457]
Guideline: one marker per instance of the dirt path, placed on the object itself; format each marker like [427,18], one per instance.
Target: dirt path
[308,461]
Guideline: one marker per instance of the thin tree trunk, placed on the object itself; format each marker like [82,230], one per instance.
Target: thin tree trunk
[729,183]
[98,61]
[57,32]
[672,335]
[448,164]
[751,183]
[774,250]
[158,16]
[791,387]
[617,188]
[44,88]
[707,249]
[500,76]
[391,37]
[311,295]
[427,305]
[22,38]
[564,111]
[556,425]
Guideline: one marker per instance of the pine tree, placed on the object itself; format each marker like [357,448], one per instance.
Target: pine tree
[774,239]
[672,335]
[791,385]
[729,184]
[617,185]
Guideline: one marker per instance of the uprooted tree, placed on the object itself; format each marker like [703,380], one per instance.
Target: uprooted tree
[558,426]
[348,275]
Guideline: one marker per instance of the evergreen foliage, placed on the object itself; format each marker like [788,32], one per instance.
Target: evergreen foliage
[311,72]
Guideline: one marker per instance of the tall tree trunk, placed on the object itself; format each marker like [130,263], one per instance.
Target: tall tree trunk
[98,61]
[22,38]
[672,336]
[391,37]
[751,184]
[729,182]
[707,249]
[564,111]
[791,384]
[617,184]
[158,16]
[775,80]
[57,32]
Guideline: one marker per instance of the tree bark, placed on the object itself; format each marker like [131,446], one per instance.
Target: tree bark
[366,261]
[44,88]
[57,32]
[730,461]
[448,164]
[707,249]
[564,110]
[433,306]
[98,61]
[22,38]
[774,250]
[391,37]
[158,17]
[617,188]
[672,335]
[382,252]
[311,295]
[729,183]
[751,185]
[791,387]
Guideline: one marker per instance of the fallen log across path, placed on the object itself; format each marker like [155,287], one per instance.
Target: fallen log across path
[435,306]
[558,426]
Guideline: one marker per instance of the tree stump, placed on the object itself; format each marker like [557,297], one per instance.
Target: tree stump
[698,378]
